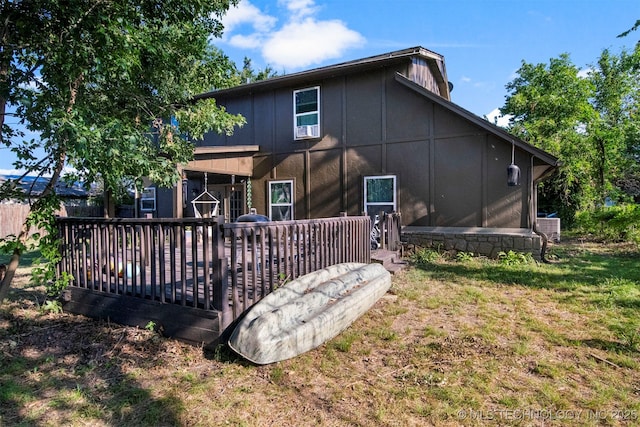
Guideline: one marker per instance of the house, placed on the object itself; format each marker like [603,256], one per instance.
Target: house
[370,135]
[376,134]
[33,186]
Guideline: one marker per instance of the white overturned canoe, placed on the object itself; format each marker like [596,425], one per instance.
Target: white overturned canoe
[305,313]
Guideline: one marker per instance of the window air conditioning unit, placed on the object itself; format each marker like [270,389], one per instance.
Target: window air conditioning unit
[312,131]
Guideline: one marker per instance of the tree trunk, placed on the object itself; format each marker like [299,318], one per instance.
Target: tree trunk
[4,73]
[109,204]
[5,285]
[600,168]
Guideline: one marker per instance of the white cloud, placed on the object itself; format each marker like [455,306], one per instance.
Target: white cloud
[300,44]
[10,172]
[300,41]
[299,8]
[498,119]
[586,72]
[65,171]
[252,41]
[247,13]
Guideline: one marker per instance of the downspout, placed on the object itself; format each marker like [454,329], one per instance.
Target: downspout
[534,215]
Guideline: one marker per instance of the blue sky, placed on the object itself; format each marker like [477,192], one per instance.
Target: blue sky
[483,41]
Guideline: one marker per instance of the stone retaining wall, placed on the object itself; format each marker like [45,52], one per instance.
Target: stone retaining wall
[480,241]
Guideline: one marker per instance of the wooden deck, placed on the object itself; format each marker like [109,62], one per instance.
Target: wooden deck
[194,277]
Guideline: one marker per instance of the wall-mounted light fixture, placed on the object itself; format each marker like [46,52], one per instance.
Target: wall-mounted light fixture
[513,171]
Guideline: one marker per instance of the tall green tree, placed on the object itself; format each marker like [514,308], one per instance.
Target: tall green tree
[614,129]
[249,75]
[588,118]
[108,86]
[549,105]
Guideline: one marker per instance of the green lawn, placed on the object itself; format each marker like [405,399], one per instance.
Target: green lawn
[457,341]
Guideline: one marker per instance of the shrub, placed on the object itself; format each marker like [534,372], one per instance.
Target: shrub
[611,223]
[515,258]
[426,256]
[464,256]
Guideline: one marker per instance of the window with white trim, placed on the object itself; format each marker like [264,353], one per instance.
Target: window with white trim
[306,113]
[380,194]
[281,200]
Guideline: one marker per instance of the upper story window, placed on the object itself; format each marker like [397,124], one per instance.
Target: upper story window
[306,113]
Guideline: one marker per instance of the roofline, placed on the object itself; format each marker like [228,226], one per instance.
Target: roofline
[547,173]
[226,149]
[304,77]
[485,124]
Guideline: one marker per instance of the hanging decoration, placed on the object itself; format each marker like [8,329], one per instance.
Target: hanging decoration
[249,201]
[205,205]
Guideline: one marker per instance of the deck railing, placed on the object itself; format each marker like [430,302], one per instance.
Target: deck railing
[390,231]
[204,263]
[167,260]
[265,255]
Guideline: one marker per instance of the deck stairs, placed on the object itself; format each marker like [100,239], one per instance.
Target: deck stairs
[391,260]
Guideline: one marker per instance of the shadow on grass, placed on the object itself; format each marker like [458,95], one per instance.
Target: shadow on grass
[606,345]
[27,259]
[63,370]
[610,278]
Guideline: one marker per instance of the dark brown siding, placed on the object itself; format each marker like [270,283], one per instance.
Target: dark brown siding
[243,135]
[458,188]
[263,122]
[450,171]
[325,183]
[331,114]
[506,206]
[408,115]
[413,182]
[292,166]
[448,124]
[284,141]
[364,109]
[261,173]
[361,161]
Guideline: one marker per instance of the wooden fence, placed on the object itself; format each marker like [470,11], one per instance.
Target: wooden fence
[202,264]
[13,216]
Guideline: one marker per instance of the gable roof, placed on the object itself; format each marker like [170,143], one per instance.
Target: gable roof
[479,121]
[437,66]
[435,61]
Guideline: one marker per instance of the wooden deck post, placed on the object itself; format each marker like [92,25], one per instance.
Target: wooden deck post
[220,275]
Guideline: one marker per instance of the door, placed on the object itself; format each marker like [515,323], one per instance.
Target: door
[232,200]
